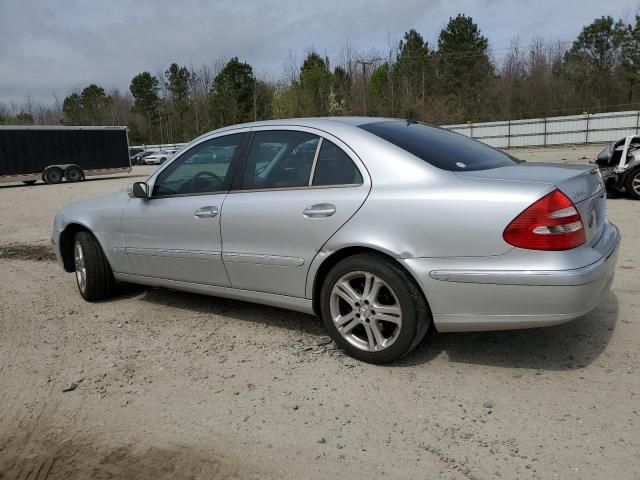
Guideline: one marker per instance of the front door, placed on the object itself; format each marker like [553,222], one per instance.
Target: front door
[297,189]
[175,234]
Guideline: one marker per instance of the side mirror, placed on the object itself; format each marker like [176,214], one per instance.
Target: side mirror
[139,190]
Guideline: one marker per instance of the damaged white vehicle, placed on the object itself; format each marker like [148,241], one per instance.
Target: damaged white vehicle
[619,165]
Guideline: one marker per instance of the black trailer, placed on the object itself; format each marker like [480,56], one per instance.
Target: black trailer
[31,153]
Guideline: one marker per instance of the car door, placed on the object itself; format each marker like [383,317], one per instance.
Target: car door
[175,234]
[296,189]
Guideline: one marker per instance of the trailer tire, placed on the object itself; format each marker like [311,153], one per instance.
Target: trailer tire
[632,183]
[73,174]
[52,175]
[29,182]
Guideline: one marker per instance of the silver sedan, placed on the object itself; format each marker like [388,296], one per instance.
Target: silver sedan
[381,227]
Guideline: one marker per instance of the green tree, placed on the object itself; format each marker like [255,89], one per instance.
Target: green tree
[593,58]
[88,108]
[315,85]
[232,95]
[630,61]
[379,92]
[178,84]
[72,110]
[413,73]
[144,88]
[464,65]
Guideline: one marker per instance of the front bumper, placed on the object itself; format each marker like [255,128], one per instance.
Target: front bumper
[499,299]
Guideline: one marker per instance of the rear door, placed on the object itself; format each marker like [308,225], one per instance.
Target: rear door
[296,189]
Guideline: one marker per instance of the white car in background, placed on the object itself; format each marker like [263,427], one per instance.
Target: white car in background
[158,158]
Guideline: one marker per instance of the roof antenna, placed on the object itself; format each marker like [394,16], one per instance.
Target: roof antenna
[411,121]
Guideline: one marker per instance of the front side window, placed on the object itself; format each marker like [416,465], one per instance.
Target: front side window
[204,168]
[279,159]
[334,167]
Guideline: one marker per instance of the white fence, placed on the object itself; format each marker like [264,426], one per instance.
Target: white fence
[574,129]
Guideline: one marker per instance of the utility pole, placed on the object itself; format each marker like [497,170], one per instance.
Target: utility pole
[364,64]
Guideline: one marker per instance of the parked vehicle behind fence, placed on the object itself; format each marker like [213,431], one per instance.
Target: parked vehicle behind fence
[51,154]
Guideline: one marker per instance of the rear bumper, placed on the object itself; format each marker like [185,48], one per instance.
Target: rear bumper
[495,299]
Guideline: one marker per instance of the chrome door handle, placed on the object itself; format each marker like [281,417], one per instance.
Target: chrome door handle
[319,210]
[206,212]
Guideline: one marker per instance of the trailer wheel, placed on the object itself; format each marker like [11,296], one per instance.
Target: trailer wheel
[52,175]
[632,183]
[29,182]
[73,174]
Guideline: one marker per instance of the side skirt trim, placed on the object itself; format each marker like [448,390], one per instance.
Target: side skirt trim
[303,305]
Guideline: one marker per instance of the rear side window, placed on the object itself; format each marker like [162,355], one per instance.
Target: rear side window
[439,147]
[334,167]
[279,159]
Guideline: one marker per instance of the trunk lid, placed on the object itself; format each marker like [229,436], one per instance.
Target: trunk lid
[581,183]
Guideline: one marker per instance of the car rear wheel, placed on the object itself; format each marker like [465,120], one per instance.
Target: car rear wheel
[93,273]
[73,174]
[373,308]
[632,184]
[53,176]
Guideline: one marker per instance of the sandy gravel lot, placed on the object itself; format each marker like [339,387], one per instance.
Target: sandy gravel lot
[174,385]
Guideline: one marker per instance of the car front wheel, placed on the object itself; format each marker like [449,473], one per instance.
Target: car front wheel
[632,184]
[93,272]
[373,308]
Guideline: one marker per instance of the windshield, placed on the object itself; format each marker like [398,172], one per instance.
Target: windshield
[439,147]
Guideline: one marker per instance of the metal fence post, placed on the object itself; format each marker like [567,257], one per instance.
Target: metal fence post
[545,132]
[637,121]
[471,130]
[586,135]
[509,134]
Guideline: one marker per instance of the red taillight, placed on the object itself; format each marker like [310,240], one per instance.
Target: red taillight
[552,223]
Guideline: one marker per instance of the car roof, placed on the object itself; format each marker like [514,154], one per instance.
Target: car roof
[322,123]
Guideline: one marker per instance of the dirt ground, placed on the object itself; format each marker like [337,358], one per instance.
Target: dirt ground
[163,384]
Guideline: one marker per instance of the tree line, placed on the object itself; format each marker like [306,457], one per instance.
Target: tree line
[459,79]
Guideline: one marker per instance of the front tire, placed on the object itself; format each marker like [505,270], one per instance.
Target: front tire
[632,184]
[373,309]
[93,273]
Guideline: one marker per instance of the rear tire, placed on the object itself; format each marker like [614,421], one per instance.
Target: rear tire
[73,174]
[93,273]
[632,184]
[349,314]
[53,176]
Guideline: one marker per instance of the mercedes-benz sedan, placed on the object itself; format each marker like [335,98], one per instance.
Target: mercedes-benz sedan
[381,227]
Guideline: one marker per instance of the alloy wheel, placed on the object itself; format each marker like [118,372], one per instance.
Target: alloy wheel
[81,268]
[366,311]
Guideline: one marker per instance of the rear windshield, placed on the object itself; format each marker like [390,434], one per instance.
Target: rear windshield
[439,147]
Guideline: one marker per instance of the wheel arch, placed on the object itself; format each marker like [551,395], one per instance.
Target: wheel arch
[335,257]
[66,244]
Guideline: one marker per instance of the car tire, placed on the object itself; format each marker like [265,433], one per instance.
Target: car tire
[632,184]
[93,273]
[52,176]
[29,182]
[351,319]
[73,174]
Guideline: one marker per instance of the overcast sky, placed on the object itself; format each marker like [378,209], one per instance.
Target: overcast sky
[58,46]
